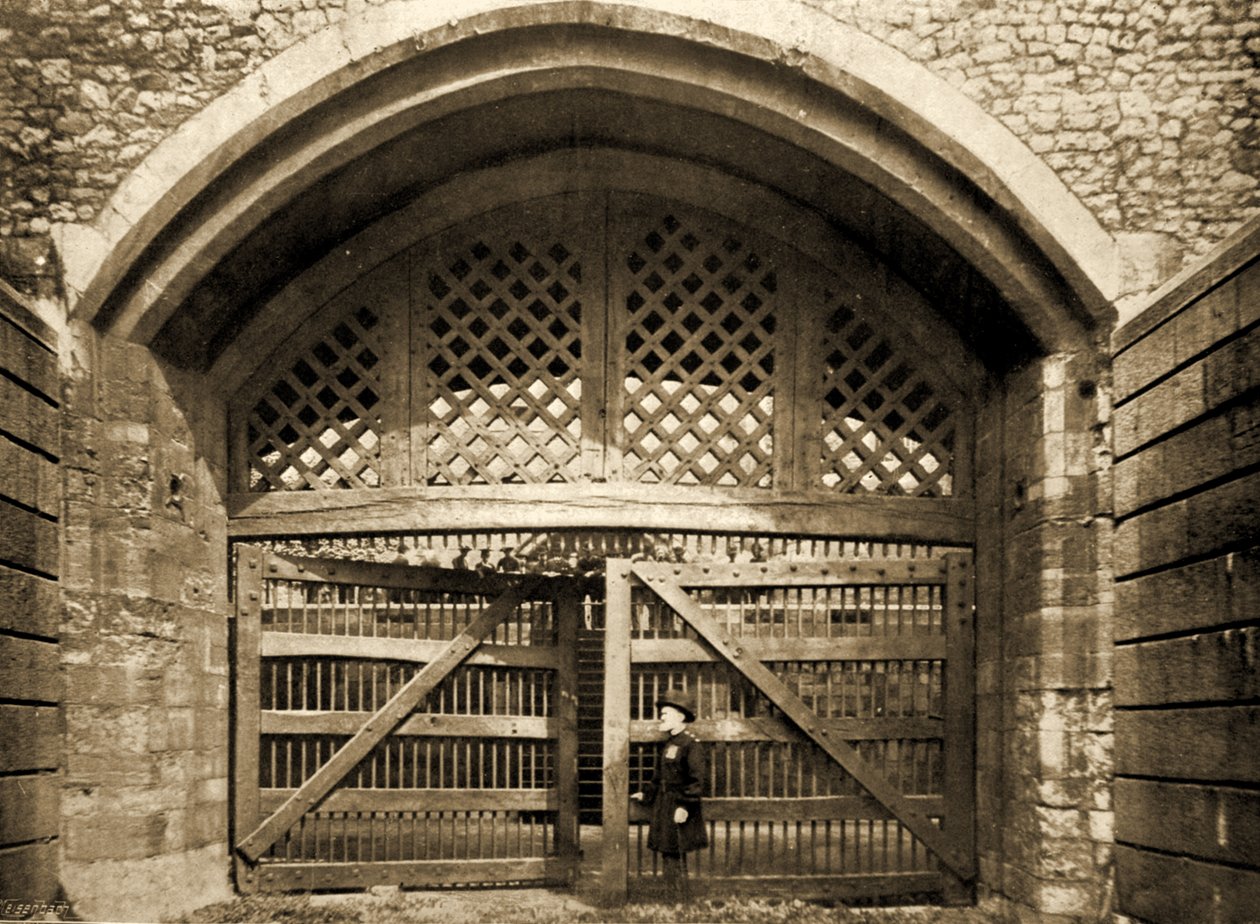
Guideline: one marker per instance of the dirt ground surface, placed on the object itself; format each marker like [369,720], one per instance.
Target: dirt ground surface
[543,906]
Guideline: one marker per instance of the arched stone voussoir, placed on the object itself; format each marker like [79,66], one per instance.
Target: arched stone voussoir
[802,41]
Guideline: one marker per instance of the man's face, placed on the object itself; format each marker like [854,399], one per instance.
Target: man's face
[672,720]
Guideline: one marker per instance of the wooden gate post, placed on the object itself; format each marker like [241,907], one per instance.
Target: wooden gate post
[960,702]
[246,800]
[568,613]
[615,879]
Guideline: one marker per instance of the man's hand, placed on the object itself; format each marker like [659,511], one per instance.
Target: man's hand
[680,815]
[636,796]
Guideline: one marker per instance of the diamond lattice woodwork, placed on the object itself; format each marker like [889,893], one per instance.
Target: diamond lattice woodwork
[886,428]
[502,383]
[318,425]
[620,337]
[699,368]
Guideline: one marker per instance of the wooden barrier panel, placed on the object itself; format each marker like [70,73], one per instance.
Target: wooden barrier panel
[1187,559]
[1173,890]
[30,606]
[833,749]
[392,719]
[1220,823]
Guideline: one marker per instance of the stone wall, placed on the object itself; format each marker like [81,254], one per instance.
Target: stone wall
[1187,489]
[30,680]
[144,638]
[1145,108]
[1043,661]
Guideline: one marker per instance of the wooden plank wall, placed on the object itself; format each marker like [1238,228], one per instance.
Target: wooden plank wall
[1187,624]
[30,683]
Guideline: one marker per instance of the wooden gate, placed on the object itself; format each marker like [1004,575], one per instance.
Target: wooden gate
[402,725]
[836,703]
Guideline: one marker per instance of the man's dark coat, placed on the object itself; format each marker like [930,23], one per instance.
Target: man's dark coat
[681,769]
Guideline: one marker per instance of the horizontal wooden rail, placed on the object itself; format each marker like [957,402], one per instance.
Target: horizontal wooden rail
[276,722]
[420,651]
[809,808]
[765,728]
[779,574]
[855,648]
[941,521]
[422,800]
[856,885]
[391,576]
[288,877]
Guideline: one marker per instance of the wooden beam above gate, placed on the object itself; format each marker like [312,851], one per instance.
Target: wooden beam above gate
[938,521]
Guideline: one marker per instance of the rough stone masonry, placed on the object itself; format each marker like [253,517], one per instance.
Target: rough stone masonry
[1146,110]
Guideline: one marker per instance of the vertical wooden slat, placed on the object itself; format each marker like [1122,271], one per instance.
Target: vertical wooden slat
[963,485]
[390,297]
[806,384]
[247,655]
[419,350]
[959,621]
[613,883]
[596,307]
[618,243]
[238,446]
[568,612]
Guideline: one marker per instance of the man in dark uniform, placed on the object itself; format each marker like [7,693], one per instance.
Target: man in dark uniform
[673,796]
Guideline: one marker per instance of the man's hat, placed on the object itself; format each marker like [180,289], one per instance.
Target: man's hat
[682,700]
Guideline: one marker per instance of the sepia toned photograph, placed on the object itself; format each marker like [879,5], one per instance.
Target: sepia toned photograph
[599,461]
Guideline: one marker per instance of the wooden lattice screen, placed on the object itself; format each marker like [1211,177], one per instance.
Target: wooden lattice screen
[699,378]
[610,337]
[501,322]
[885,427]
[318,425]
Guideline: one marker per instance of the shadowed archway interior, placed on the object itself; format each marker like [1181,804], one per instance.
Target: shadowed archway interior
[388,139]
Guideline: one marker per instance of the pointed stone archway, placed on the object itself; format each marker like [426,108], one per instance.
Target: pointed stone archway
[306,159]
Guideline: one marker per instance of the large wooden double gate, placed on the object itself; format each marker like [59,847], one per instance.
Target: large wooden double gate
[836,700]
[402,725]
[418,725]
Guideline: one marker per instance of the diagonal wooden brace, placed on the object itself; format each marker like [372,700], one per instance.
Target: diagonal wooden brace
[381,724]
[731,650]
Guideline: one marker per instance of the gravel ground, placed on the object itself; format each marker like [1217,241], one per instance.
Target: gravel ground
[542,906]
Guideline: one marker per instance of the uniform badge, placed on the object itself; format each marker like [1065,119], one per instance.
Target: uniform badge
[671,752]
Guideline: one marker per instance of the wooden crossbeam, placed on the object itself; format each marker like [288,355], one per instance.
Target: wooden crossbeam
[731,649]
[379,576]
[381,724]
[808,648]
[769,728]
[365,801]
[778,573]
[423,725]
[415,650]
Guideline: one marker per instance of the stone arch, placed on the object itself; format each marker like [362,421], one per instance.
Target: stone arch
[349,96]
[856,104]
